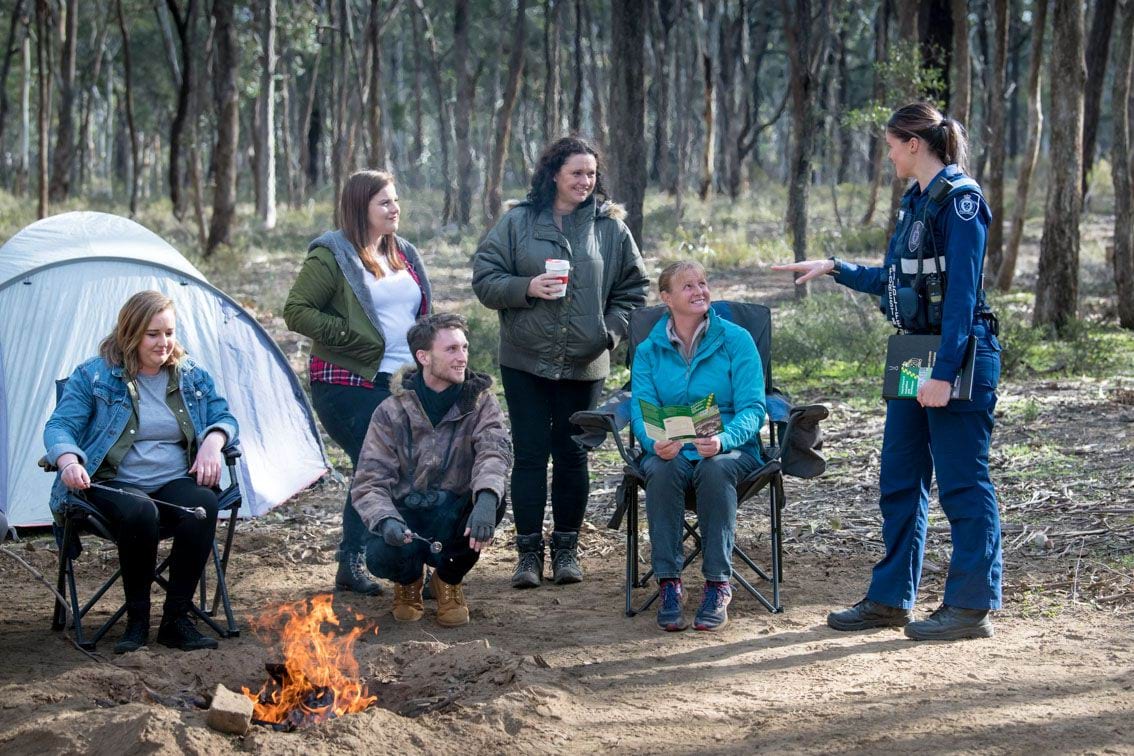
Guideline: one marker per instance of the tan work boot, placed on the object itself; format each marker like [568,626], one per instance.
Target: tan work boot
[452,611]
[408,606]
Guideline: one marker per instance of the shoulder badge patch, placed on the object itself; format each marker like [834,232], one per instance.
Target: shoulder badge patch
[967,206]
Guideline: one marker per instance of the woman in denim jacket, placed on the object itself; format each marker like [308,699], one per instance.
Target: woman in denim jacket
[142,420]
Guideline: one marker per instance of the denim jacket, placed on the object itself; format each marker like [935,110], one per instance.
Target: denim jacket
[95,408]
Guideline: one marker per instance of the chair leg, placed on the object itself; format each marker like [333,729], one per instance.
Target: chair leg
[231,631]
[58,616]
[76,612]
[631,550]
[224,555]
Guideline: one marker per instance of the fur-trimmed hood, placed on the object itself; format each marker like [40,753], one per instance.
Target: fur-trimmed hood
[402,382]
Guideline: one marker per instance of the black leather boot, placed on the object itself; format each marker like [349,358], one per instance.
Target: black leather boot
[137,627]
[353,576]
[565,558]
[529,566]
[867,614]
[178,631]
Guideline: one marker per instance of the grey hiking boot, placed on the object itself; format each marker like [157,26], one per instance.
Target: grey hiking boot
[529,566]
[565,558]
[951,623]
[353,576]
[867,614]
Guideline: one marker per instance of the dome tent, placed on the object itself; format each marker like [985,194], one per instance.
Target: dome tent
[62,281]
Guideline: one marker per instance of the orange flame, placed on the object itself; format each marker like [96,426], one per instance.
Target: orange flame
[321,678]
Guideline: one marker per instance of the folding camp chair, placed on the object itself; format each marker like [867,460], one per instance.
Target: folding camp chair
[791,447]
[77,516]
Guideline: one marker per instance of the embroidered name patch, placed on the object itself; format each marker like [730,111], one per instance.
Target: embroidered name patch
[967,206]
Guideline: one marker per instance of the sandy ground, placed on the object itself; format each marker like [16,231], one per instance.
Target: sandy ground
[562,669]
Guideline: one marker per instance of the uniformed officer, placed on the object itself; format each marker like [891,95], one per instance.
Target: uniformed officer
[930,282]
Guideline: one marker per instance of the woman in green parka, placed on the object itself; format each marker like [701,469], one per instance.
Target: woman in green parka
[555,340]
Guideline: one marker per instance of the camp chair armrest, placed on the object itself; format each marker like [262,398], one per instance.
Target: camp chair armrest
[594,423]
[232,453]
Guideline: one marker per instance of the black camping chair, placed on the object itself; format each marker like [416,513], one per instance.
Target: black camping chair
[792,445]
[78,516]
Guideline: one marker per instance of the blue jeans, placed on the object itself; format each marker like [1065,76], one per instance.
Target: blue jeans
[714,482]
[345,413]
[445,523]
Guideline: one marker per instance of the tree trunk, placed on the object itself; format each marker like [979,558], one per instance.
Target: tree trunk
[309,148]
[706,34]
[25,113]
[1007,269]
[628,109]
[937,46]
[1122,165]
[576,124]
[446,128]
[90,87]
[228,125]
[1057,286]
[186,26]
[877,144]
[666,14]
[960,101]
[285,129]
[64,154]
[1097,48]
[373,107]
[994,136]
[551,69]
[463,113]
[493,193]
[806,38]
[9,52]
[682,90]
[43,81]
[135,173]
[418,148]
[266,119]
[594,80]
[731,52]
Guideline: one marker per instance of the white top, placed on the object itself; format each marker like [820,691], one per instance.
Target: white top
[397,299]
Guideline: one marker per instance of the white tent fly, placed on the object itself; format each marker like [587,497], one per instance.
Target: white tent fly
[62,282]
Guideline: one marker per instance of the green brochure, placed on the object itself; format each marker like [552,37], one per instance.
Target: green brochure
[678,422]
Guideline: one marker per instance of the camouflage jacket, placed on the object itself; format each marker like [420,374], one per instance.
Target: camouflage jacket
[467,452]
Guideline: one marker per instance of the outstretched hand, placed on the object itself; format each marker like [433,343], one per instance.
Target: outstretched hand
[808,269]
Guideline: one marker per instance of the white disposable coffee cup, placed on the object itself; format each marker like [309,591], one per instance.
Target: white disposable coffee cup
[559,269]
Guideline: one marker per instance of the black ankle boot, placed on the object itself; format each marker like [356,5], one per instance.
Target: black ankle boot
[178,631]
[565,558]
[529,567]
[137,627]
[353,576]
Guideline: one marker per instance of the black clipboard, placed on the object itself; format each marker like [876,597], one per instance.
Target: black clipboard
[909,363]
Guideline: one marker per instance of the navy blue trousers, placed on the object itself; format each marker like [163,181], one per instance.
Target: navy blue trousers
[952,441]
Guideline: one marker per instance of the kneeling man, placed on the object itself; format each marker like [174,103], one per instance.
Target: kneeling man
[433,469]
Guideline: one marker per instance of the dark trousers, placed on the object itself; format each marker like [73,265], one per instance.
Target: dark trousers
[137,524]
[540,411]
[445,523]
[345,413]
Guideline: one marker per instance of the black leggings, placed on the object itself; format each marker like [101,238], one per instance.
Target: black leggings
[137,524]
[540,411]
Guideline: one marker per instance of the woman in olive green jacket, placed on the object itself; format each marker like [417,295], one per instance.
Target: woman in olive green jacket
[357,294]
[555,340]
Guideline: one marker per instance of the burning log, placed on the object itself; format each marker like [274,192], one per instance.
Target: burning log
[319,678]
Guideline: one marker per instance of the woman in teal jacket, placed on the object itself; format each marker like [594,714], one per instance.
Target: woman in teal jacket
[691,353]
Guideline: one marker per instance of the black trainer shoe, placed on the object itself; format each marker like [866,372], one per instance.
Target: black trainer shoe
[565,558]
[353,576]
[529,566]
[136,636]
[181,633]
[951,623]
[867,614]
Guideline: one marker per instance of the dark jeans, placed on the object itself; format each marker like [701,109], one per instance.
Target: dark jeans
[540,411]
[445,523]
[137,524]
[345,413]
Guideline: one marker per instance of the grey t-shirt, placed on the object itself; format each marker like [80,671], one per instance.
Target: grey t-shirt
[158,454]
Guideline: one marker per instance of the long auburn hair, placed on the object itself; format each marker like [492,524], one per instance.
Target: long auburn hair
[542,192]
[944,135]
[354,206]
[120,347]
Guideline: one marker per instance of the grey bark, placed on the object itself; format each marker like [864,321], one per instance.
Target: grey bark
[551,10]
[1122,166]
[445,127]
[1028,160]
[1098,46]
[228,125]
[63,157]
[960,101]
[464,111]
[266,119]
[493,194]
[1057,285]
[994,137]
[628,109]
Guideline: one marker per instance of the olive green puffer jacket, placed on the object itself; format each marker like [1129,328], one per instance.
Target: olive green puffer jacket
[566,338]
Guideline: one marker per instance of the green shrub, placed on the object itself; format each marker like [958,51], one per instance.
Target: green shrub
[484,340]
[833,335]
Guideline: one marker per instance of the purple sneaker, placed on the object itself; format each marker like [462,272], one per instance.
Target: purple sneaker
[671,600]
[713,613]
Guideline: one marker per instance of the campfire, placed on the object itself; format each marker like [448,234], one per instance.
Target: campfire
[318,679]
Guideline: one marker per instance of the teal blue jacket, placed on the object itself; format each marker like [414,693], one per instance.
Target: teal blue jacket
[726,364]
